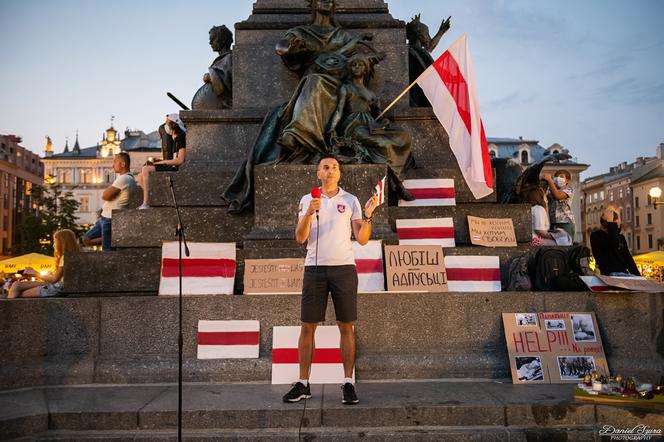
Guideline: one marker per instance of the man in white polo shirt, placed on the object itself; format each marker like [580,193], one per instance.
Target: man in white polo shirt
[326,224]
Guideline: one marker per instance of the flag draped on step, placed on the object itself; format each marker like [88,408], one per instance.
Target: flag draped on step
[228,339]
[427,231]
[430,192]
[449,84]
[209,270]
[472,273]
[327,367]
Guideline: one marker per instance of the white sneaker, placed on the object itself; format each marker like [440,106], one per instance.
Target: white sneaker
[143,206]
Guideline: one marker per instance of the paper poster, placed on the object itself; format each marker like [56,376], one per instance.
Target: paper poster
[491,232]
[416,268]
[553,348]
[273,276]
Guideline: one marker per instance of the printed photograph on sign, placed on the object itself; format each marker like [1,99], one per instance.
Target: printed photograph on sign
[554,324]
[583,328]
[529,368]
[574,368]
[526,319]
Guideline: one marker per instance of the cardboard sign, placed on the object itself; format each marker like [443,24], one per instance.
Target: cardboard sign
[638,284]
[417,268]
[553,348]
[273,276]
[491,232]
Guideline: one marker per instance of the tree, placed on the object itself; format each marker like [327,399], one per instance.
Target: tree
[58,212]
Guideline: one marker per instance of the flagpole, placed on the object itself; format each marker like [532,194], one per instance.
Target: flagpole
[402,94]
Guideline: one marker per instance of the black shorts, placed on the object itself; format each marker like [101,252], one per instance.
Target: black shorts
[165,168]
[341,281]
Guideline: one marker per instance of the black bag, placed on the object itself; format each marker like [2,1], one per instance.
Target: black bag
[579,260]
[550,263]
[518,277]
[570,282]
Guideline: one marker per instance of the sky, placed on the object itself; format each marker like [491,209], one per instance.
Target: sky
[584,74]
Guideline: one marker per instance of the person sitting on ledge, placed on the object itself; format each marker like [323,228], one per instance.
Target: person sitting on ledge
[51,284]
[540,218]
[610,247]
[173,158]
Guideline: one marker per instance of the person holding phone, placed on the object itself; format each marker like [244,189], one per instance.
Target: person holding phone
[610,247]
[52,283]
[174,149]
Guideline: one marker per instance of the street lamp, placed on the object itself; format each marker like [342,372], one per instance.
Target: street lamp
[655,193]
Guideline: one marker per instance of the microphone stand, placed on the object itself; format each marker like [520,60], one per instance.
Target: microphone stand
[182,239]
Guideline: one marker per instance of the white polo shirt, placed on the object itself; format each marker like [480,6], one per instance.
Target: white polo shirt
[335,216]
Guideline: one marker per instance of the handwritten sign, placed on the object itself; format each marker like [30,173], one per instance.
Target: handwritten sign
[415,268]
[638,284]
[273,276]
[553,348]
[491,232]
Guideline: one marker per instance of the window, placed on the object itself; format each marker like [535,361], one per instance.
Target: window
[629,213]
[85,204]
[524,157]
[610,196]
[629,241]
[649,201]
[620,212]
[636,202]
[601,195]
[595,196]
[636,221]
[620,194]
[650,241]
[638,242]
[649,218]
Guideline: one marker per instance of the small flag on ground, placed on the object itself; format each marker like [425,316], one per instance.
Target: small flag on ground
[327,367]
[209,270]
[597,285]
[430,192]
[228,339]
[379,190]
[369,265]
[430,231]
[449,84]
[473,273]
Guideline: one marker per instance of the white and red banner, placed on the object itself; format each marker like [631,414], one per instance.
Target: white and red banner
[379,190]
[449,84]
[430,231]
[430,192]
[473,273]
[327,367]
[228,339]
[369,265]
[209,270]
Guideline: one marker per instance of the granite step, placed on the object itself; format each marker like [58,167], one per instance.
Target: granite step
[390,410]
[137,270]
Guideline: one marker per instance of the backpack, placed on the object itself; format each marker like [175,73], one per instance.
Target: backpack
[518,276]
[579,260]
[550,263]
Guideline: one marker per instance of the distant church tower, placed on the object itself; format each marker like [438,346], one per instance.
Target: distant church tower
[49,147]
[110,145]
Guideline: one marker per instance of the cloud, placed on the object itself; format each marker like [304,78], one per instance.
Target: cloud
[513,99]
[630,91]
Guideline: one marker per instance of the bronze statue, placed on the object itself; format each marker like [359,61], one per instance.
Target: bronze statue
[420,47]
[217,92]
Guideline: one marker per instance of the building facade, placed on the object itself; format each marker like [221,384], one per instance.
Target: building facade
[648,219]
[20,170]
[526,152]
[86,172]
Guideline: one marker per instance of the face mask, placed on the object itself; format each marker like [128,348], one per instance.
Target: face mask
[559,181]
[168,129]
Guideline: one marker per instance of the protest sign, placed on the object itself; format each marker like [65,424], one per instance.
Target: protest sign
[491,232]
[414,268]
[273,276]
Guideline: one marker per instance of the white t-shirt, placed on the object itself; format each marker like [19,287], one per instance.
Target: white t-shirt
[540,218]
[124,183]
[335,216]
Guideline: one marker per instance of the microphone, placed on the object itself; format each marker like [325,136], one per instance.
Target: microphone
[316,193]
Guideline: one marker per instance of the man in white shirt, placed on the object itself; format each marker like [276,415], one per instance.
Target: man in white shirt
[115,196]
[326,224]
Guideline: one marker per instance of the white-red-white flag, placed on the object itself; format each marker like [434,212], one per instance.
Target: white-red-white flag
[228,339]
[379,190]
[472,273]
[449,84]
[369,266]
[430,192]
[327,366]
[426,231]
[209,270]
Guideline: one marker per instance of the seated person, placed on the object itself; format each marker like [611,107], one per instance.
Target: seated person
[610,247]
[173,158]
[540,219]
[51,284]
[560,201]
